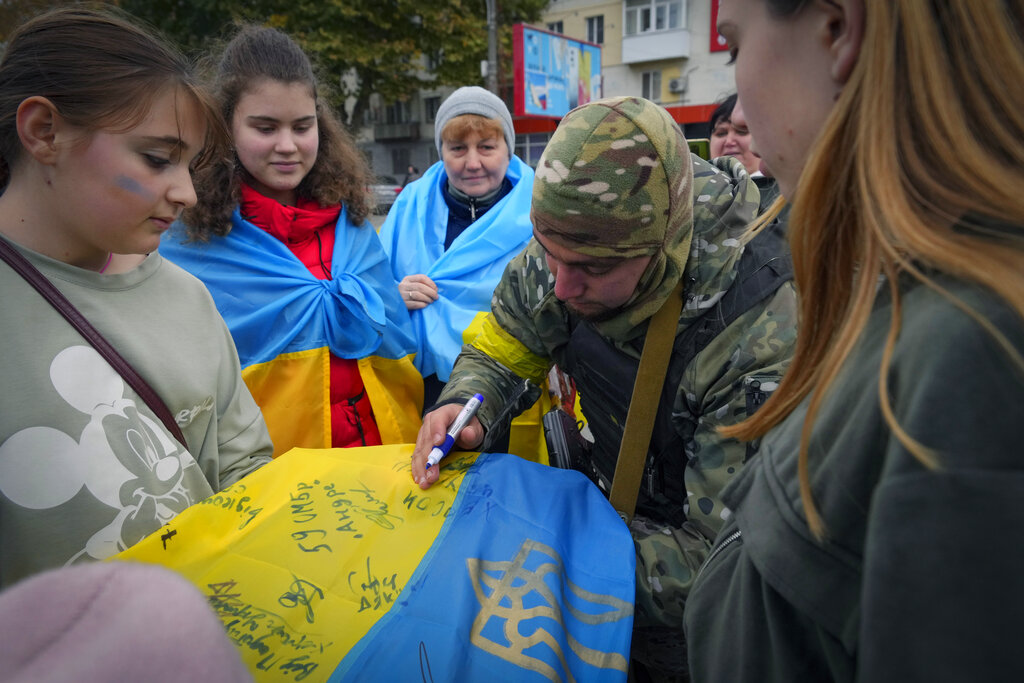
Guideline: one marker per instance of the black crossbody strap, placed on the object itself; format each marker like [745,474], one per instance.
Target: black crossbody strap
[23,267]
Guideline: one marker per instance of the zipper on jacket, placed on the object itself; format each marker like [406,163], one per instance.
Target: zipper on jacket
[649,477]
[472,209]
[357,422]
[320,255]
[717,551]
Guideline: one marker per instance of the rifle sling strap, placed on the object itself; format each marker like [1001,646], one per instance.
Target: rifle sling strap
[643,405]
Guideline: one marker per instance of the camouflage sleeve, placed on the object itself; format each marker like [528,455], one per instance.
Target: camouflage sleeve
[476,371]
[726,382]
[525,304]
[510,346]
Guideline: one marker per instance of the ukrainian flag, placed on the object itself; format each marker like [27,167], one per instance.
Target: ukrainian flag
[466,274]
[413,236]
[332,565]
[286,323]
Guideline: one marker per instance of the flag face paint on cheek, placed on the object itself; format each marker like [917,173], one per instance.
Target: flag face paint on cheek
[133,186]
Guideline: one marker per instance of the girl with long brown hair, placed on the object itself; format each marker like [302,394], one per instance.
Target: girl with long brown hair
[279,236]
[101,126]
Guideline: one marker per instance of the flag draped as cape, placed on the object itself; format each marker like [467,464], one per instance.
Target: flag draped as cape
[332,565]
[285,322]
[413,237]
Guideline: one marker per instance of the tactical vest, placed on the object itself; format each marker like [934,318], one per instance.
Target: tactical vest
[604,376]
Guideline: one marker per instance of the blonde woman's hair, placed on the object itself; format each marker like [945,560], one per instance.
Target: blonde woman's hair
[919,169]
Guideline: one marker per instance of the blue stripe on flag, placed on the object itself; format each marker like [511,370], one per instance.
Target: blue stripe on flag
[530,578]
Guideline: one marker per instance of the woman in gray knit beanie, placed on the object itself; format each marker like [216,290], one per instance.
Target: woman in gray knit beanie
[474,100]
[451,232]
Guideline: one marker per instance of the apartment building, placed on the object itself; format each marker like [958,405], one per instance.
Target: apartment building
[664,50]
[659,49]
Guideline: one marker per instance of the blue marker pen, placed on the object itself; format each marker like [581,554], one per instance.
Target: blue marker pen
[465,415]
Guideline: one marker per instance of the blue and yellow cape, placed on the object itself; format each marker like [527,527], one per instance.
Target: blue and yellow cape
[286,323]
[466,275]
[413,236]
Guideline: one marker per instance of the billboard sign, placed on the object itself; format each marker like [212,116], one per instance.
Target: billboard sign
[718,43]
[553,73]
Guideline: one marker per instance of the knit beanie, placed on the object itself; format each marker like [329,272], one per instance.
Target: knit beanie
[472,99]
[616,180]
[113,621]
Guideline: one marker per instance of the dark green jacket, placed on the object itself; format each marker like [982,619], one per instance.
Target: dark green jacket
[921,576]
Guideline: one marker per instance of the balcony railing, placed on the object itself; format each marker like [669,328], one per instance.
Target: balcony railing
[652,46]
[397,131]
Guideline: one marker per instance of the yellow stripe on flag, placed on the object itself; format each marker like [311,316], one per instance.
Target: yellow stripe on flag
[302,557]
[395,389]
[293,392]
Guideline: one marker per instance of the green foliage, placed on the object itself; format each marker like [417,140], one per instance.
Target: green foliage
[361,46]
[14,12]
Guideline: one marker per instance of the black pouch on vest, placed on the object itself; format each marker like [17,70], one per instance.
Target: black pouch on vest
[567,447]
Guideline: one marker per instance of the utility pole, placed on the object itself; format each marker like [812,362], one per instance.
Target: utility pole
[492,46]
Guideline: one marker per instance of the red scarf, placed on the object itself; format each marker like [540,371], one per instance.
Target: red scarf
[290,224]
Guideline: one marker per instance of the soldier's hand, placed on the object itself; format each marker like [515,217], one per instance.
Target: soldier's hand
[432,433]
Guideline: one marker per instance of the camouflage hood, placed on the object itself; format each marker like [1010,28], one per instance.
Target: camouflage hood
[617,179]
[725,202]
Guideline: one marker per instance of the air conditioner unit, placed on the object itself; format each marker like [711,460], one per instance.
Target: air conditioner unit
[678,85]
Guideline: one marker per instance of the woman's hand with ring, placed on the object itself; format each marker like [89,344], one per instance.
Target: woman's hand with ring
[418,291]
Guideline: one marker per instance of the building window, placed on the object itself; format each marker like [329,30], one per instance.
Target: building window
[654,15]
[651,86]
[530,146]
[430,107]
[400,160]
[555,26]
[398,112]
[595,29]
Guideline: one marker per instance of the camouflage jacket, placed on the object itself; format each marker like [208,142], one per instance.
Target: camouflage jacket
[528,330]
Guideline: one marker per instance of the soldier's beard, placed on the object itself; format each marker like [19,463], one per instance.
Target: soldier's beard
[594,315]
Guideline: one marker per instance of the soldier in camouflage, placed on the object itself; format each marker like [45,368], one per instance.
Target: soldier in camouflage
[622,212]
